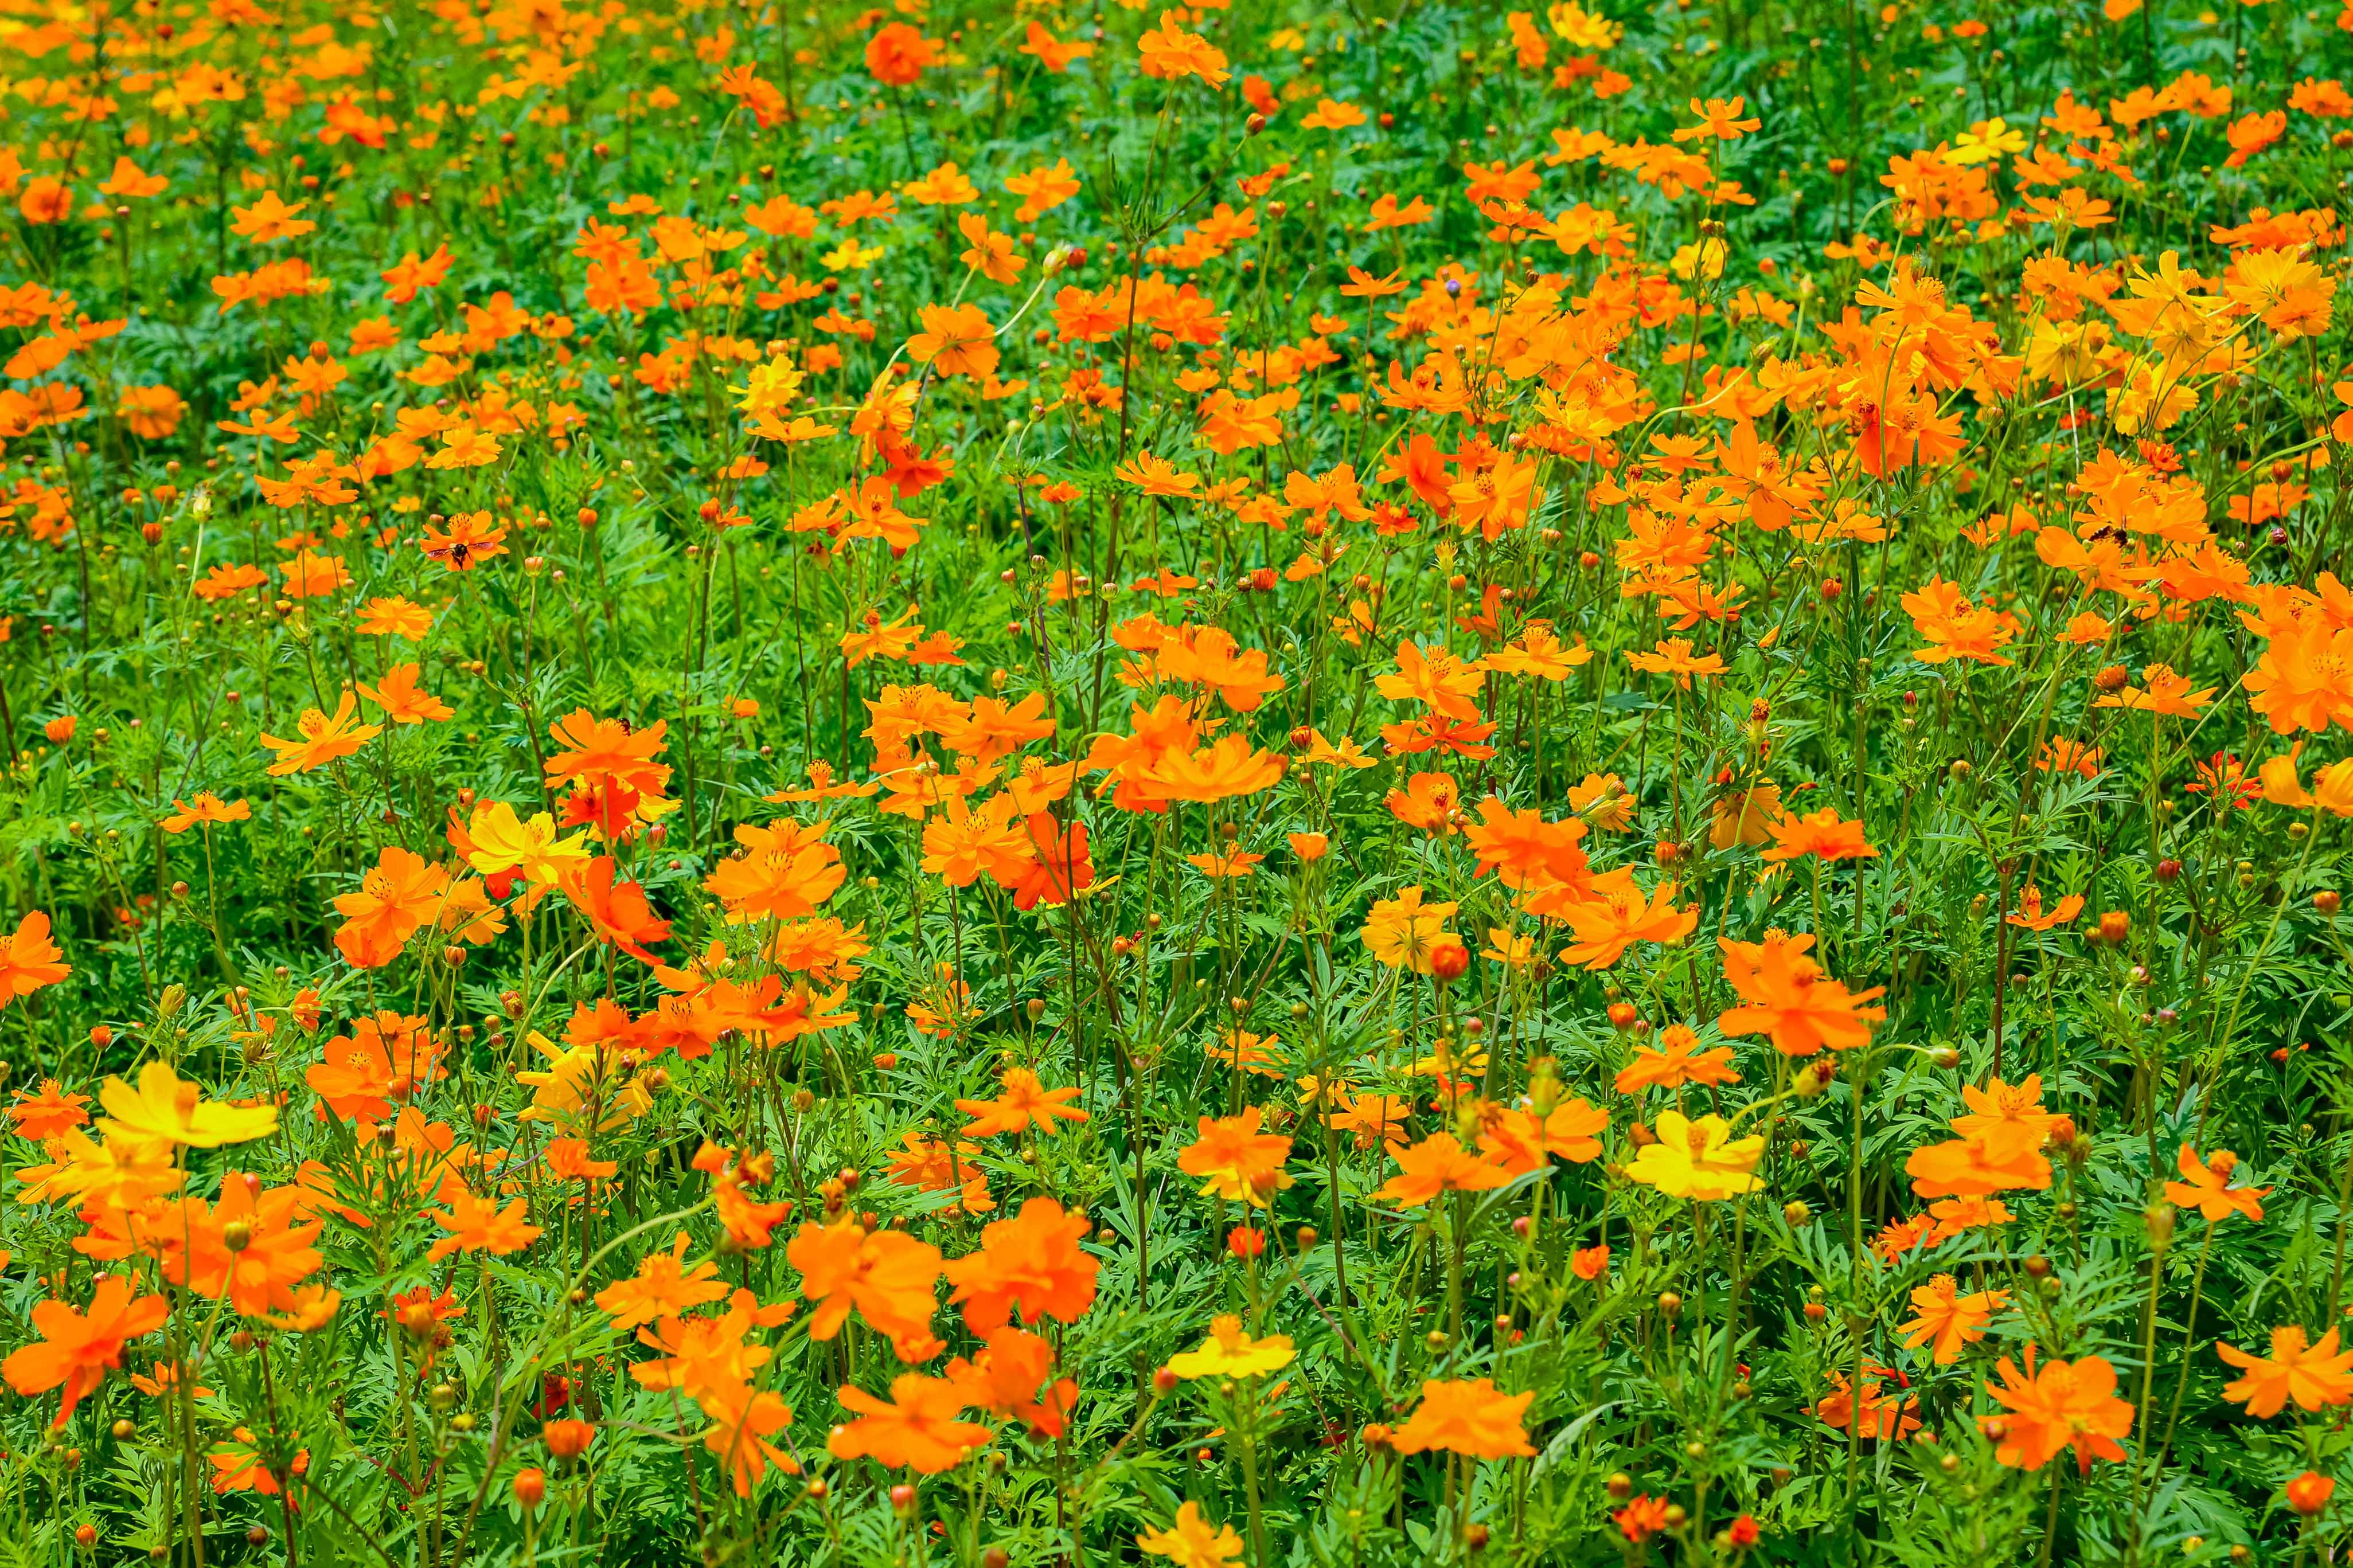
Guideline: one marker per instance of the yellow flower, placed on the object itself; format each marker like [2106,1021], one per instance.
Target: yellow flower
[1229,1352]
[577,1078]
[1191,1543]
[1698,1159]
[503,842]
[168,1108]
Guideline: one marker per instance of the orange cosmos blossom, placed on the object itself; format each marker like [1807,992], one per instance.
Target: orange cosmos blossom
[2167,695]
[1439,1164]
[2029,914]
[2310,1374]
[1520,1141]
[76,1349]
[1620,914]
[1676,656]
[916,1428]
[1822,834]
[477,1225]
[956,340]
[2062,1405]
[1171,54]
[887,1276]
[1031,1265]
[1881,1417]
[207,808]
[50,1113]
[1006,1378]
[1678,1061]
[663,1287]
[1022,1102]
[28,959]
[2304,680]
[1948,1320]
[1236,1160]
[321,740]
[1467,1417]
[898,54]
[2206,1186]
[1788,997]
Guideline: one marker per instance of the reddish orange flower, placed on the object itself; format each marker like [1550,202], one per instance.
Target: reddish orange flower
[76,1349]
[1031,1265]
[899,55]
[1788,997]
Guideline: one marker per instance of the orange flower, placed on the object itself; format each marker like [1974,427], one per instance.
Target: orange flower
[479,1226]
[663,1287]
[1031,1264]
[28,959]
[916,1428]
[239,1465]
[49,1115]
[742,1419]
[1439,1164]
[1677,1061]
[388,1058]
[887,1276]
[899,55]
[75,1348]
[1171,54]
[258,1275]
[1022,1102]
[1676,656]
[1240,1162]
[605,754]
[2312,1375]
[2062,1406]
[2029,914]
[403,700]
[322,740]
[1467,1417]
[1790,997]
[1948,1320]
[2304,680]
[400,893]
[1822,834]
[1620,915]
[207,808]
[1006,1377]
[466,543]
[935,1165]
[1426,801]
[1520,1141]
[617,912]
[2205,1186]
[1523,849]
[1881,1419]
[2167,695]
